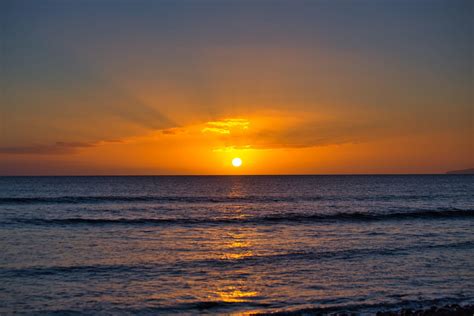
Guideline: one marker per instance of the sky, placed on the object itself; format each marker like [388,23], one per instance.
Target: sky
[148,87]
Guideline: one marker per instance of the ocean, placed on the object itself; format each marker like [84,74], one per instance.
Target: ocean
[235,244]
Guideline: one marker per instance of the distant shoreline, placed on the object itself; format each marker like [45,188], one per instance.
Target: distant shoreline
[463,171]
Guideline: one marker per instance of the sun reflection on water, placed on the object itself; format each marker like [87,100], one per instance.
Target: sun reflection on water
[231,294]
[237,243]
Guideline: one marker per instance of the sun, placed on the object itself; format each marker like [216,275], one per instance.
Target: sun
[236,162]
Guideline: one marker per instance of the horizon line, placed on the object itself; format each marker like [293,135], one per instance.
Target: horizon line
[235,175]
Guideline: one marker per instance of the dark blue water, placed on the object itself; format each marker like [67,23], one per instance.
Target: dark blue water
[234,245]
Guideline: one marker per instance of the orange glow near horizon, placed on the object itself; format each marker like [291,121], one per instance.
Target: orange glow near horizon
[272,143]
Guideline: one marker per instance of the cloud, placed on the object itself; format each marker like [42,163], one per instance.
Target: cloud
[314,134]
[287,131]
[253,133]
[58,148]
[226,126]
[215,130]
[171,131]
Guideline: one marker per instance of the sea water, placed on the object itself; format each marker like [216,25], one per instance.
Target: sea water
[236,244]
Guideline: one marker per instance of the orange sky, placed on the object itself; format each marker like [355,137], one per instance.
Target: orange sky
[272,144]
[291,88]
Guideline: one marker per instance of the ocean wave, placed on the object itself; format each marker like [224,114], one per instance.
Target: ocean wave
[187,266]
[372,216]
[56,270]
[448,305]
[444,306]
[143,199]
[209,199]
[273,218]
[340,254]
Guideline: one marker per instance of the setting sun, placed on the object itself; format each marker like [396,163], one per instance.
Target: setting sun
[236,162]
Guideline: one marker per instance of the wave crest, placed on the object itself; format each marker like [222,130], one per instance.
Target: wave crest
[273,218]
